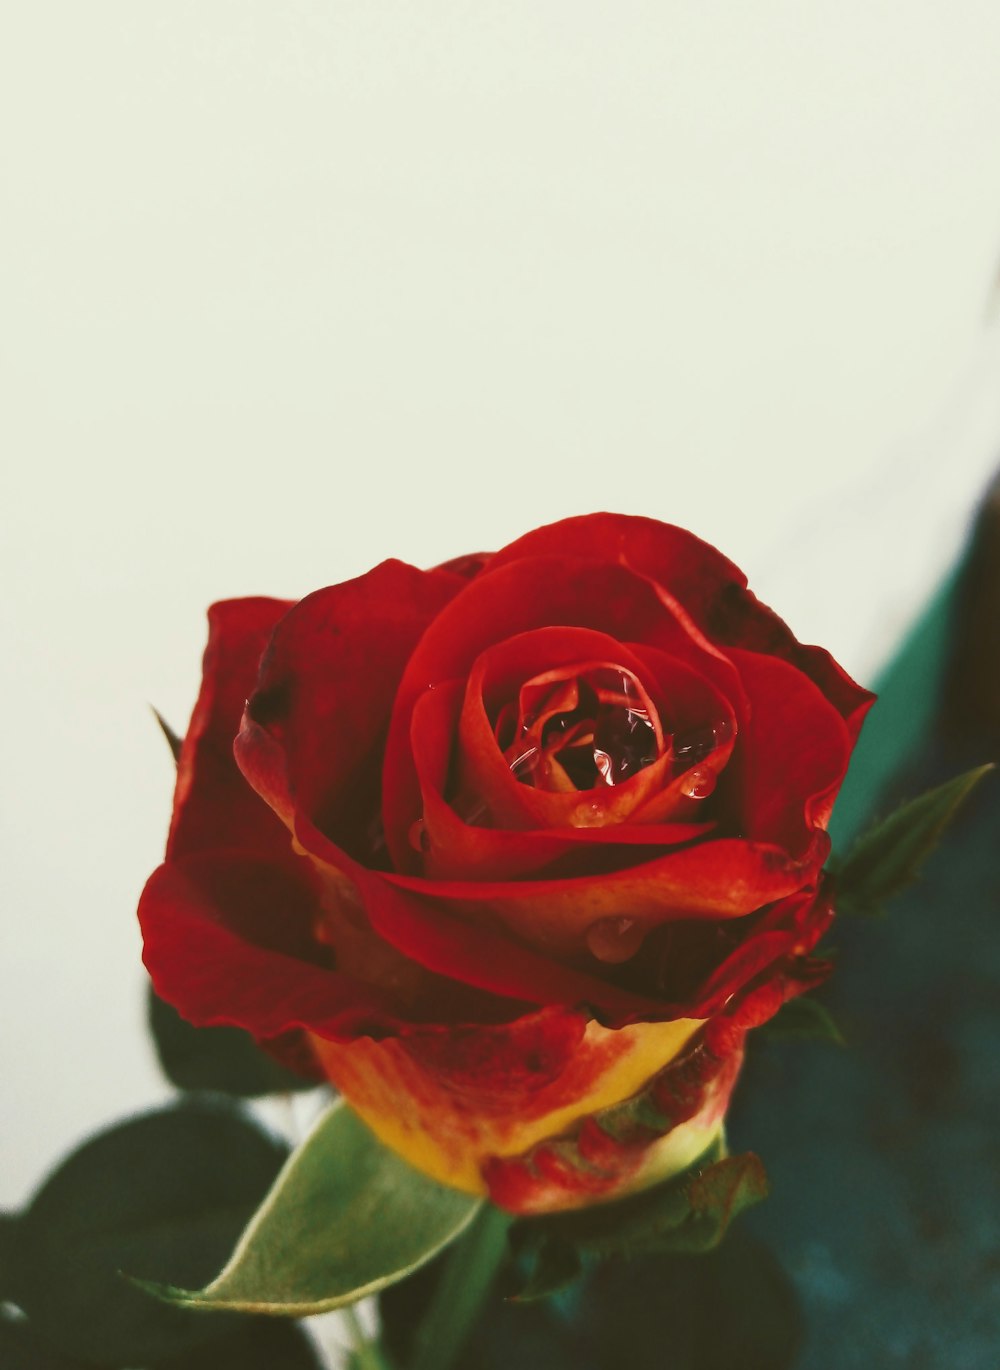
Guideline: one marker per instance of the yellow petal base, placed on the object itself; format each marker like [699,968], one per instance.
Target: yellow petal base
[440,1130]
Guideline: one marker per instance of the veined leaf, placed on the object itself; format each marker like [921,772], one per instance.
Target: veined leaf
[345,1218]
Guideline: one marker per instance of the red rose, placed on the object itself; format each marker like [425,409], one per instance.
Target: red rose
[518,847]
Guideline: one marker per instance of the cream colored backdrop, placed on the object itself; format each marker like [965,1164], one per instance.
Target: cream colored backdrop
[287,288]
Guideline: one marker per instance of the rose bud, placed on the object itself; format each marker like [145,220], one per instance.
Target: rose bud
[514,851]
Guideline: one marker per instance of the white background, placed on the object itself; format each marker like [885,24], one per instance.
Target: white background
[287,288]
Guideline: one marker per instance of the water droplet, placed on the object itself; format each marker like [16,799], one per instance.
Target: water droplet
[419,839]
[724,728]
[698,784]
[694,745]
[624,742]
[615,939]
[589,815]
[594,723]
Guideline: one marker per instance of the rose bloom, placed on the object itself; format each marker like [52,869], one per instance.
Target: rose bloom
[514,851]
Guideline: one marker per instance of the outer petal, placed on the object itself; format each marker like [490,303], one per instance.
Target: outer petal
[313,730]
[711,588]
[448,1120]
[228,939]
[793,756]
[689,568]
[621,1149]
[213,804]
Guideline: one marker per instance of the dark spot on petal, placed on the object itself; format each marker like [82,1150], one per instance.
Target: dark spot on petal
[271,705]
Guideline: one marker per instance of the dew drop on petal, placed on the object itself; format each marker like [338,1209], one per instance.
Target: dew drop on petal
[615,939]
[695,744]
[724,728]
[698,784]
[589,815]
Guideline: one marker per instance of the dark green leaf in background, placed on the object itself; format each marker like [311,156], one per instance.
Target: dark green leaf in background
[257,1344]
[21,1349]
[888,857]
[223,1059]
[163,1197]
[8,1239]
[345,1218]
[730,1309]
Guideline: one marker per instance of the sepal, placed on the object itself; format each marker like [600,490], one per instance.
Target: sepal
[687,1214]
[173,741]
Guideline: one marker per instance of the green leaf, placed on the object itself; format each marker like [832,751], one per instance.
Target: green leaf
[469,1274]
[163,1196]
[731,1307]
[804,1017]
[888,858]
[345,1218]
[8,1239]
[20,1349]
[224,1059]
[258,1344]
[173,741]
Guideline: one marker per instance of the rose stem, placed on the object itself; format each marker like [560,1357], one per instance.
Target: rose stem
[368,1355]
[469,1272]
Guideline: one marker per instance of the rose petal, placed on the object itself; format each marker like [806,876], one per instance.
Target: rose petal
[455,849]
[706,965]
[724,878]
[449,1105]
[227,939]
[213,804]
[313,730]
[485,774]
[231,939]
[615,1151]
[691,569]
[476,953]
[793,755]
[500,603]
[710,587]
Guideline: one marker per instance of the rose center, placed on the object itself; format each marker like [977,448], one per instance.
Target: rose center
[579,728]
